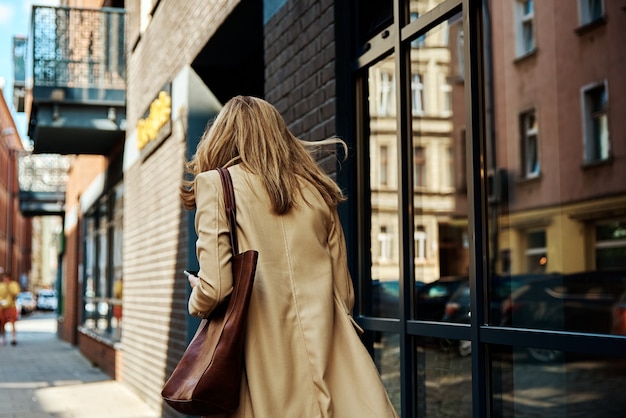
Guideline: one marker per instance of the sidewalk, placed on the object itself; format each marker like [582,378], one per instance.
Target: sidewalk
[44,377]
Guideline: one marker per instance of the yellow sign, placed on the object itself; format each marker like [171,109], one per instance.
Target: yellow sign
[159,115]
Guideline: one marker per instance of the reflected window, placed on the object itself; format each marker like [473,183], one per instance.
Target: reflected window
[384,240]
[529,143]
[383,165]
[386,92]
[591,10]
[449,165]
[536,258]
[102,309]
[524,17]
[417,95]
[419,166]
[420,243]
[610,246]
[595,119]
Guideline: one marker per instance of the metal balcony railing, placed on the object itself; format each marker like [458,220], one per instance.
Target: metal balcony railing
[42,180]
[78,52]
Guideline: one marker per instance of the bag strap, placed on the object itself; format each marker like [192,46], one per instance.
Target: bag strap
[231,209]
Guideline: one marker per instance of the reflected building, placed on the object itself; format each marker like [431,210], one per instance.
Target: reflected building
[559,138]
[438,193]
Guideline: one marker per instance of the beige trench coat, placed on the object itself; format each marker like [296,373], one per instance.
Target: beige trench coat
[303,356]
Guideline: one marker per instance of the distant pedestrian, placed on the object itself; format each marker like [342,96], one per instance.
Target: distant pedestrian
[9,289]
[303,355]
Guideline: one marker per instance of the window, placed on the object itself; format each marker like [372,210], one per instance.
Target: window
[610,246]
[384,239]
[383,165]
[529,144]
[103,266]
[525,38]
[536,258]
[595,119]
[420,243]
[591,10]
[449,165]
[419,167]
[417,95]
[386,99]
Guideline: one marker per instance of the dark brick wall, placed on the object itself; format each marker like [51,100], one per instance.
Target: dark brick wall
[300,66]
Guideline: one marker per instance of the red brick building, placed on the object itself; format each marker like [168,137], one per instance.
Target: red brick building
[15,229]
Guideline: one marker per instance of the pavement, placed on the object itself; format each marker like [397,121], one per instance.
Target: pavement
[43,377]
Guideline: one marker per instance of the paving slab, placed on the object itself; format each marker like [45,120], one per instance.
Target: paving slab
[43,377]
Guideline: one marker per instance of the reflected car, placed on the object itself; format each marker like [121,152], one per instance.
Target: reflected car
[501,288]
[580,302]
[430,300]
[25,302]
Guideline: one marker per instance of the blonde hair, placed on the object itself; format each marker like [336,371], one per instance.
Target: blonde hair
[251,132]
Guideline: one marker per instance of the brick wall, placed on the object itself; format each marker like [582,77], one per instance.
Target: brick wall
[155,291]
[300,67]
[176,34]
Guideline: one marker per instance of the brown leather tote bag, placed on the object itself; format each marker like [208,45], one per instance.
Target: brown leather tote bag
[207,379]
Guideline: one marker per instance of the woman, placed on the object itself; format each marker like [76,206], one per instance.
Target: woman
[303,356]
[9,289]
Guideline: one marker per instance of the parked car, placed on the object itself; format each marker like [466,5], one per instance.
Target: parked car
[25,302]
[47,300]
[430,298]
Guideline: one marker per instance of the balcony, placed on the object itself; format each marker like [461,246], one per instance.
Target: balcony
[79,86]
[42,181]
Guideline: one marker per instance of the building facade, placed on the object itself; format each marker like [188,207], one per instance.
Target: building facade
[486,219]
[15,229]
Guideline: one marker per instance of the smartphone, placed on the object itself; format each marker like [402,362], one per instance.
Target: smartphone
[190,273]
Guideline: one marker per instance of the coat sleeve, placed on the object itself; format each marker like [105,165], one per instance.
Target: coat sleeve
[342,281]
[212,247]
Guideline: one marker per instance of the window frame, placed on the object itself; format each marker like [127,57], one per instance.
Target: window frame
[529,132]
[585,12]
[524,20]
[591,143]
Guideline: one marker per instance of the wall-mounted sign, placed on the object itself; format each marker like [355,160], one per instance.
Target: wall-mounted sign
[158,116]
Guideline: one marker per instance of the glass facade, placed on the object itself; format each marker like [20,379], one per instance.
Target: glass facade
[103,275]
[492,270]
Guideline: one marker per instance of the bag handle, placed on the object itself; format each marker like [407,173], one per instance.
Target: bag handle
[231,209]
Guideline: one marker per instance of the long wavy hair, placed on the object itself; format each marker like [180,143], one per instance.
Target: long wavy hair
[251,132]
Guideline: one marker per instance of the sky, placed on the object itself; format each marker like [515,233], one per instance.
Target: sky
[15,20]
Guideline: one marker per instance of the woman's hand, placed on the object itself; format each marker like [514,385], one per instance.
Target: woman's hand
[193,280]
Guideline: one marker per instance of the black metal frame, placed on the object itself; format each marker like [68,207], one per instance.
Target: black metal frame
[354,176]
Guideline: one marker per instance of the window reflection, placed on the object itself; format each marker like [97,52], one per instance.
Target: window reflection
[530,382]
[556,207]
[384,189]
[440,223]
[444,373]
[102,310]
